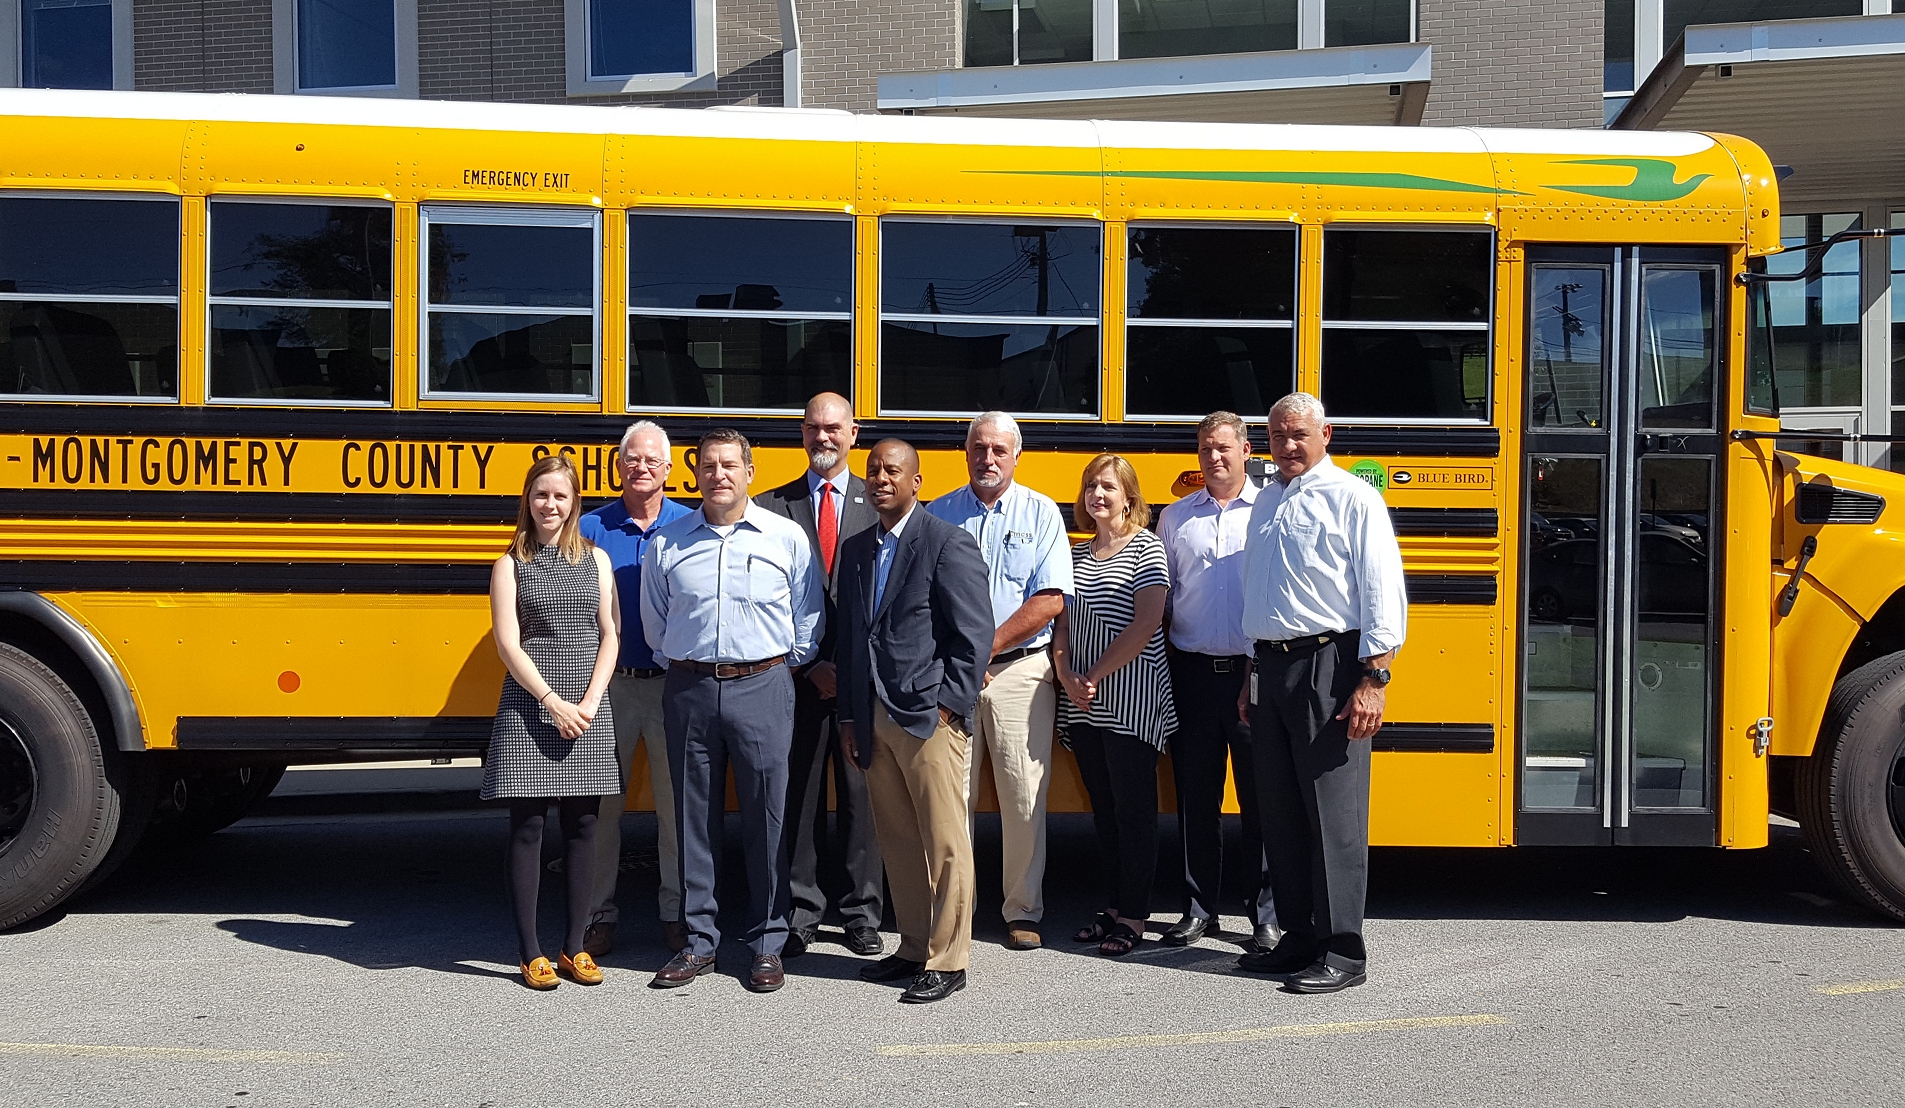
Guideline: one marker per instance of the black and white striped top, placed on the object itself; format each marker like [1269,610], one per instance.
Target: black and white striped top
[1136,699]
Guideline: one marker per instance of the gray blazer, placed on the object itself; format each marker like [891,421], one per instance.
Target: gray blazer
[794,502]
[927,646]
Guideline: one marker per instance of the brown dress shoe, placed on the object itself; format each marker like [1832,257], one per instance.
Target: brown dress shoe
[681,970]
[675,934]
[599,940]
[765,975]
[1022,934]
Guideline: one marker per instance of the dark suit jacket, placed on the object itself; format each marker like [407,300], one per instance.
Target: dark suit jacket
[793,501]
[927,646]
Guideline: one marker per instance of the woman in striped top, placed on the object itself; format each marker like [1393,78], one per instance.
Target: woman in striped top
[1108,650]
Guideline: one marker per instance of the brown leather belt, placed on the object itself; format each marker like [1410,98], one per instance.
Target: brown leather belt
[723,671]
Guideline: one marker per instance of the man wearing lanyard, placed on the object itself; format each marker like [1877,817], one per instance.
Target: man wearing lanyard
[1325,601]
[731,596]
[1204,543]
[1029,570]
[622,528]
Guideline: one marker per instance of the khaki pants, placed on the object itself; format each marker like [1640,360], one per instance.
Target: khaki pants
[1014,727]
[916,790]
[636,703]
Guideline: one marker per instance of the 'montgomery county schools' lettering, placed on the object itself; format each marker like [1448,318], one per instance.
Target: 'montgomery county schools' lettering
[515,179]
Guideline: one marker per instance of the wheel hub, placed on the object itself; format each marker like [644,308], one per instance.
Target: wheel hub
[1895,792]
[19,781]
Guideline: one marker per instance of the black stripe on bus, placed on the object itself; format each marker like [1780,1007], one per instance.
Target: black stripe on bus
[374,578]
[1435,522]
[1464,588]
[213,507]
[560,427]
[290,734]
[1427,738]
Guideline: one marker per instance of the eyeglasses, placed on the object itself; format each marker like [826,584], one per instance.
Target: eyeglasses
[645,463]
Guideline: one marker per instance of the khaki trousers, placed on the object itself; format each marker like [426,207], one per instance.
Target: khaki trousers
[916,790]
[1013,727]
[636,704]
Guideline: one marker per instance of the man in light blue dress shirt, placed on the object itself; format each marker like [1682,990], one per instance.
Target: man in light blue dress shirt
[1029,568]
[732,598]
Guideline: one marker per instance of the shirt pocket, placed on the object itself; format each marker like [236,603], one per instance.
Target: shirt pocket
[1018,558]
[769,580]
[1303,540]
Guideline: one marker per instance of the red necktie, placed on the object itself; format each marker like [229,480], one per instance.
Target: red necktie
[828,526]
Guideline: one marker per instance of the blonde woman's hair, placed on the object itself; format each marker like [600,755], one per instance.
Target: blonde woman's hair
[569,541]
[1137,514]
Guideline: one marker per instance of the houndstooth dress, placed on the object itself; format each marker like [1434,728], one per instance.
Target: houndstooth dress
[556,605]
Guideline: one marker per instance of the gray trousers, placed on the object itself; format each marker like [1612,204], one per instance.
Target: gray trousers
[1313,785]
[636,703]
[746,722]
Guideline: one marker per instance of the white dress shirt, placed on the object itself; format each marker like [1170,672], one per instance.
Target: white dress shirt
[1204,544]
[1322,556]
[839,495]
[744,596]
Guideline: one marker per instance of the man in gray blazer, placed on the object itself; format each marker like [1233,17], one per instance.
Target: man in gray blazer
[915,614]
[830,505]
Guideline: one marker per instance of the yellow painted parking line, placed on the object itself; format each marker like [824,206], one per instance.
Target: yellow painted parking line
[1196,1038]
[1850,987]
[171,1053]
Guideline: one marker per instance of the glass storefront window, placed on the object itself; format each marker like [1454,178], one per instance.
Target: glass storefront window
[1180,28]
[1027,32]
[1816,322]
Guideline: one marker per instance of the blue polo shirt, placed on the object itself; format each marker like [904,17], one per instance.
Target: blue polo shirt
[610,528]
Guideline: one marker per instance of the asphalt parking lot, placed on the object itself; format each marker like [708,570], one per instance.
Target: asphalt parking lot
[304,958]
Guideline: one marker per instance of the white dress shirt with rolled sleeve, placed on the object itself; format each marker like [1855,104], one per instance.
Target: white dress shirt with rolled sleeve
[1322,556]
[1204,543]
[742,593]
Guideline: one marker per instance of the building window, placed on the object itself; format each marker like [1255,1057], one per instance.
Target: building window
[1677,15]
[1209,320]
[1025,32]
[1816,322]
[738,312]
[1406,323]
[66,44]
[300,302]
[509,302]
[89,297]
[1368,22]
[1617,47]
[617,46]
[345,47]
[1182,28]
[978,316]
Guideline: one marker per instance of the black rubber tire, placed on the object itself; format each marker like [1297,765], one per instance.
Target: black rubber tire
[74,812]
[1843,790]
[194,802]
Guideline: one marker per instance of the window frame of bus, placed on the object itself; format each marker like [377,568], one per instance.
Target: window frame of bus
[1486,327]
[1292,324]
[176,300]
[212,300]
[737,313]
[495,215]
[1031,220]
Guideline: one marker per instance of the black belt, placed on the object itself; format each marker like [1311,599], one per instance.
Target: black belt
[728,670]
[1015,655]
[1216,663]
[636,671]
[1307,642]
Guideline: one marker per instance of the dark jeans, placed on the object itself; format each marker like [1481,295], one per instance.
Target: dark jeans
[1209,740]
[842,862]
[1121,774]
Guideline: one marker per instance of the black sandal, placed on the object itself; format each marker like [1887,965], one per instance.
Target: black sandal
[1122,941]
[1097,931]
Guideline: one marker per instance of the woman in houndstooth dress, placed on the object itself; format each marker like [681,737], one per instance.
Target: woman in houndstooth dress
[552,600]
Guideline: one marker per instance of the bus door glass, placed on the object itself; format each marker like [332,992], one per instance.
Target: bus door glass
[1619,596]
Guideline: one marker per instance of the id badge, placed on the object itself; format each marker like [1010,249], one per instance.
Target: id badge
[1253,688]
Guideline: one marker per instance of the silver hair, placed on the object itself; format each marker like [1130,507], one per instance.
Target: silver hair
[1299,404]
[998,419]
[645,426]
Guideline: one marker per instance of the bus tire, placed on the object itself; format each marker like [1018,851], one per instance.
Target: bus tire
[1851,790]
[59,811]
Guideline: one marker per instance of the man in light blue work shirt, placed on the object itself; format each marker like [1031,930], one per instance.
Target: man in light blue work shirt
[731,597]
[623,528]
[1029,569]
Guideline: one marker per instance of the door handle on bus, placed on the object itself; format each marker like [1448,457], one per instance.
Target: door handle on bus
[1790,594]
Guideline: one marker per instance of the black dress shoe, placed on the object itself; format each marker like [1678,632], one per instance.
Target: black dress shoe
[933,985]
[1285,957]
[1263,940]
[681,970]
[1324,978]
[765,975]
[798,940]
[891,968]
[865,941]
[1186,931]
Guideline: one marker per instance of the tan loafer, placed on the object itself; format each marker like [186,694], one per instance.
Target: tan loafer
[580,969]
[540,975]
[1022,934]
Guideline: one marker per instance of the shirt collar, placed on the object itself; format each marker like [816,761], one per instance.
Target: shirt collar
[1317,471]
[1248,495]
[1000,505]
[839,483]
[901,525]
[615,515]
[749,518]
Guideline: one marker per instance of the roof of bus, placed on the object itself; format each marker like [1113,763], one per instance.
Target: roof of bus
[828,125]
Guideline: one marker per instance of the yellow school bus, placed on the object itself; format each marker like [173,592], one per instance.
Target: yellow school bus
[272,368]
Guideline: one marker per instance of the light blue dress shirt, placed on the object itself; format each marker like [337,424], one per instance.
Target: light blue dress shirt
[751,594]
[1023,539]
[889,545]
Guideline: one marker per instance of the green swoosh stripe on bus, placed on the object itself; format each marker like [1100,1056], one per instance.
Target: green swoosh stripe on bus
[1283,177]
[1653,180]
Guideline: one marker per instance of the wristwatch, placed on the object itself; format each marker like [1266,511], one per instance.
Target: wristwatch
[1378,675]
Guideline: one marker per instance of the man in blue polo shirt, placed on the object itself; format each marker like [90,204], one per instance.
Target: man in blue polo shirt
[622,528]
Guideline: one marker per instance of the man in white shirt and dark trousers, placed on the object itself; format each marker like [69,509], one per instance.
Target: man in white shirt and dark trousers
[1325,601]
[1204,543]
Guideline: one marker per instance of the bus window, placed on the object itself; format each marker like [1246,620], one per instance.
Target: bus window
[738,312]
[89,297]
[977,316]
[300,299]
[1762,384]
[509,300]
[1567,345]
[1678,352]
[1406,323]
[1209,320]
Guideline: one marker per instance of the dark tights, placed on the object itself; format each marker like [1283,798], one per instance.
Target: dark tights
[525,866]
